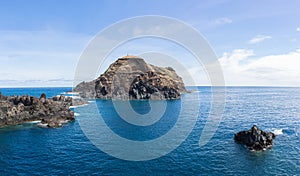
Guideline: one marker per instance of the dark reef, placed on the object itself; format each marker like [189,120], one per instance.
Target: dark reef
[255,139]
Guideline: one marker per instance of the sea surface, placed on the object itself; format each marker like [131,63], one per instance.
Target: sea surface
[29,150]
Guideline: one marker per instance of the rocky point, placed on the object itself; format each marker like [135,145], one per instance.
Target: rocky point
[52,112]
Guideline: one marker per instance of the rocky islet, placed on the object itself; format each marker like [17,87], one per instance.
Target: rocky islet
[255,139]
[130,77]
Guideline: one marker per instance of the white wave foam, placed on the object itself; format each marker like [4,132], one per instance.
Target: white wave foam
[76,114]
[278,131]
[71,93]
[74,97]
[35,121]
[77,106]
[41,125]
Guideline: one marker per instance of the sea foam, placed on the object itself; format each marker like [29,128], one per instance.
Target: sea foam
[278,131]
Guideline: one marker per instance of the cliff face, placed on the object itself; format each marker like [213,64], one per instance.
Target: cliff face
[131,77]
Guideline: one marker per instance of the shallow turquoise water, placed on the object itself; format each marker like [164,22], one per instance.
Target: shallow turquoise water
[28,150]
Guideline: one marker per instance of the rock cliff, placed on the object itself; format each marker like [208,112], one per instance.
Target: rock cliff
[130,77]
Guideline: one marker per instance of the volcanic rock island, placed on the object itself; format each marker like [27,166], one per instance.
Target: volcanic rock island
[130,77]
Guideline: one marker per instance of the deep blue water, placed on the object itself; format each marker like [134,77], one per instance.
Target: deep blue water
[29,150]
[49,91]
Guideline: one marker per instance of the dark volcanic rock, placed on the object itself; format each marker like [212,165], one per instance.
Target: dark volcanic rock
[131,77]
[255,139]
[52,112]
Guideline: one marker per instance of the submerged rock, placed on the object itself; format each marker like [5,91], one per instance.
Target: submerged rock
[53,112]
[130,77]
[255,139]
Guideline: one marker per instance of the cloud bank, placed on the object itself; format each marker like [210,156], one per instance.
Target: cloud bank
[258,39]
[240,67]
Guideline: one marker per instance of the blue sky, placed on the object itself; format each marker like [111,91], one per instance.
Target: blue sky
[257,42]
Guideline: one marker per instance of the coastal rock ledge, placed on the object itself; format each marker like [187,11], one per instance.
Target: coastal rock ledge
[130,77]
[52,112]
[255,139]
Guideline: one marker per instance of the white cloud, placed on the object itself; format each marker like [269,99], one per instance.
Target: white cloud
[240,68]
[298,29]
[221,21]
[234,58]
[259,38]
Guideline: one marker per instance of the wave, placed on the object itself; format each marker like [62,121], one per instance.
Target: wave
[73,107]
[278,132]
[35,121]
[41,125]
[286,131]
[76,114]
[74,97]
[70,93]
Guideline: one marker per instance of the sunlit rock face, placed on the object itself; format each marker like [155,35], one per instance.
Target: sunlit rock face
[130,77]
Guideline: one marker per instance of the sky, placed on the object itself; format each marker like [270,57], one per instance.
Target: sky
[257,43]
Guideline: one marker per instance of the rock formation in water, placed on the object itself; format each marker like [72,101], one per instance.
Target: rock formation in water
[255,139]
[130,77]
[53,112]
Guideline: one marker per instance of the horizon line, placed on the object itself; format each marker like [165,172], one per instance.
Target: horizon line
[63,86]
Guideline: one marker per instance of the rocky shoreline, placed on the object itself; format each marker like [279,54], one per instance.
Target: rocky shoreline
[51,112]
[255,139]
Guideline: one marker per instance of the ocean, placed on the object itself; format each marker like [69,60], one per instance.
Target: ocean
[29,150]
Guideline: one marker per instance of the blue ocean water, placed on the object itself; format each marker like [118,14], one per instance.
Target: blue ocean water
[29,150]
[36,92]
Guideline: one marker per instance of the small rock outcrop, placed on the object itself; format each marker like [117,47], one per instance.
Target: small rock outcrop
[53,112]
[255,139]
[130,77]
